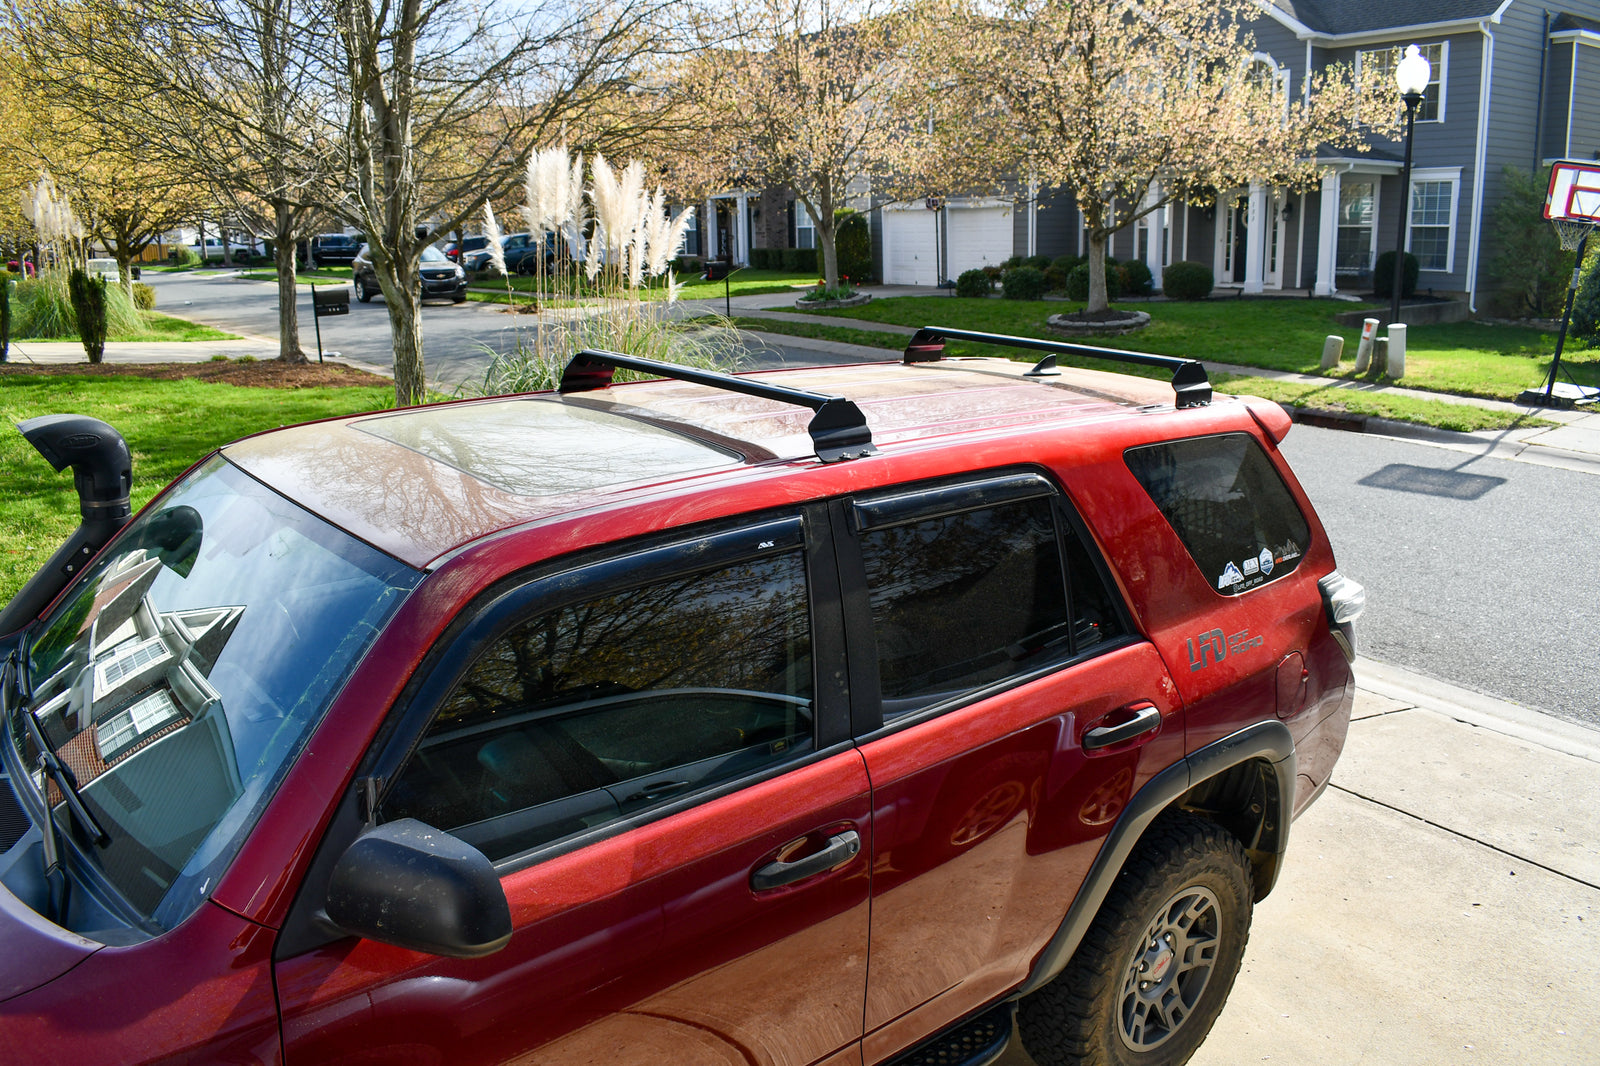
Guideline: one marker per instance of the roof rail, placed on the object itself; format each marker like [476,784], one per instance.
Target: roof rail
[839,429]
[1189,381]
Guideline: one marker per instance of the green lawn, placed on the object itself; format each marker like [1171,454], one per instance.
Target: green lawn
[168,425]
[1466,358]
[320,276]
[158,328]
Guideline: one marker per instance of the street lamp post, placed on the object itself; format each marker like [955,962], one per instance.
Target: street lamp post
[1412,74]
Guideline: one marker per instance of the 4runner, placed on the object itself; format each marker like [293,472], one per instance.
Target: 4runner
[834,715]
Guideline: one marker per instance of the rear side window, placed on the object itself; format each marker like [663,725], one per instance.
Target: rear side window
[1228,505]
[961,601]
[593,710]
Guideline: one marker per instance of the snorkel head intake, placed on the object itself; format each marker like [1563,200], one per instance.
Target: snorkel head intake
[102,472]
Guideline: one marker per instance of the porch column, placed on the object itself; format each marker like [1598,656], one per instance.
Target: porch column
[709,252]
[1327,235]
[1153,247]
[1255,248]
[741,230]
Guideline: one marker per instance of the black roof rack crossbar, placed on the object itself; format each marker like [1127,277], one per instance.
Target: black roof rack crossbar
[839,429]
[1189,381]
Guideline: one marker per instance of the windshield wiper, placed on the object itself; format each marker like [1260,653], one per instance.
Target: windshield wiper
[65,780]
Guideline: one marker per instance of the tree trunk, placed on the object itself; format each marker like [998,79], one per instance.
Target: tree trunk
[125,270]
[283,252]
[1097,273]
[402,294]
[828,245]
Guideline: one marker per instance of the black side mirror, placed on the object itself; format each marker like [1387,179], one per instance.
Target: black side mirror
[408,884]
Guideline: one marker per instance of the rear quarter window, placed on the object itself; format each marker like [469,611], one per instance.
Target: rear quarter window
[1228,505]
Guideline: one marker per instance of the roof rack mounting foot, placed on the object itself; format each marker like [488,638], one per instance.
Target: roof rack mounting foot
[1190,385]
[838,429]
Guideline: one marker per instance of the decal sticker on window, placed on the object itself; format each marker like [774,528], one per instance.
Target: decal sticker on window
[1266,561]
[1230,576]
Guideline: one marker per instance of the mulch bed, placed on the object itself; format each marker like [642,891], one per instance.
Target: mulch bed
[268,374]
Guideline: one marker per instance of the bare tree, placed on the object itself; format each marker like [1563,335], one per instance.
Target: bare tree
[445,100]
[231,91]
[1132,105]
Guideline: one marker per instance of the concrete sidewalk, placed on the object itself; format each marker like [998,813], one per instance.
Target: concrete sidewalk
[1441,900]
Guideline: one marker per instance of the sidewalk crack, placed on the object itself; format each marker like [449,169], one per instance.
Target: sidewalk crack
[1465,836]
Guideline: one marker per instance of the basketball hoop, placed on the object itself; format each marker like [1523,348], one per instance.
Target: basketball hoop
[1573,207]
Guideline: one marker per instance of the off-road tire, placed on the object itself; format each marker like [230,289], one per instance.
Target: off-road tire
[1094,1013]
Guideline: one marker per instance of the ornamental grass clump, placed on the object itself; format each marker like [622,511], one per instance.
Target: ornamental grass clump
[625,238]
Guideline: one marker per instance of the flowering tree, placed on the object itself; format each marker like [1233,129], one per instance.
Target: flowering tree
[1132,104]
[814,97]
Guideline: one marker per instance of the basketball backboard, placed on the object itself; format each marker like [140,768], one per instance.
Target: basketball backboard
[1574,191]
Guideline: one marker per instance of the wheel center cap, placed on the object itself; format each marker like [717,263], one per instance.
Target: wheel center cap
[1163,962]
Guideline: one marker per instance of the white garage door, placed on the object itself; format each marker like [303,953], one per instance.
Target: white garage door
[910,247]
[979,236]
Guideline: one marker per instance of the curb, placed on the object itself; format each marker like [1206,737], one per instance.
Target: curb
[1490,443]
[1475,708]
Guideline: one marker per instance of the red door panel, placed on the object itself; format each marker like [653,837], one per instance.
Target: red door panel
[650,947]
[986,821]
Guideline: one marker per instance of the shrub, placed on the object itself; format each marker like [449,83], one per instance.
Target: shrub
[688,264]
[89,306]
[1077,285]
[144,297]
[974,283]
[1137,278]
[822,294]
[1530,269]
[1023,283]
[1038,262]
[43,309]
[761,258]
[5,318]
[188,257]
[1067,263]
[1188,280]
[798,260]
[1585,325]
[1055,279]
[853,241]
[1011,264]
[1383,276]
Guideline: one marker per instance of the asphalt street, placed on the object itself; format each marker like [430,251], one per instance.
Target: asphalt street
[1478,571]
[459,340]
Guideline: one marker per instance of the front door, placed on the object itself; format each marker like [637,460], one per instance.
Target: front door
[1272,275]
[1236,239]
[639,746]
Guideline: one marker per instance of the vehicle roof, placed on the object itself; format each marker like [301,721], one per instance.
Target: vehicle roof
[420,482]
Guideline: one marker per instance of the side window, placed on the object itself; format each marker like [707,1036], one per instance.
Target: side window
[1226,502]
[596,709]
[963,600]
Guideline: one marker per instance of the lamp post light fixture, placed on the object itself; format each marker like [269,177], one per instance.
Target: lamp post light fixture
[1412,75]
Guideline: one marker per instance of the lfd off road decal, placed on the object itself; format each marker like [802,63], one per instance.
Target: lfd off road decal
[1215,646]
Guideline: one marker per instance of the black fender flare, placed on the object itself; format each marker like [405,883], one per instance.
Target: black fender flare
[1270,741]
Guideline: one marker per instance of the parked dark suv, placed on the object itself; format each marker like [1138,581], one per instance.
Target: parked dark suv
[334,248]
[625,724]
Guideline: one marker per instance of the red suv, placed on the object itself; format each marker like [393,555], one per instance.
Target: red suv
[834,715]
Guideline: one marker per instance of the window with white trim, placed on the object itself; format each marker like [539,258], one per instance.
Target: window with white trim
[805,231]
[1430,233]
[1431,109]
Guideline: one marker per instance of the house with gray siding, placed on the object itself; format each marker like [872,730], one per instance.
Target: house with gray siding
[1515,84]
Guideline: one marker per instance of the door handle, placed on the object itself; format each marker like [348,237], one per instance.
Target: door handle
[1146,719]
[840,849]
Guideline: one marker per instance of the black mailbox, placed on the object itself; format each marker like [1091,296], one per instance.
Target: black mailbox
[716,270]
[330,301]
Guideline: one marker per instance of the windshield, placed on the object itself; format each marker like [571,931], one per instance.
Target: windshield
[182,675]
[430,254]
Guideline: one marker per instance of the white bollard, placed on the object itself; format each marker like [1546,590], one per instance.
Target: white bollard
[1332,349]
[1395,365]
[1369,330]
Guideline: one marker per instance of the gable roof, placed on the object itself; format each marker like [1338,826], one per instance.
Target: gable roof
[1336,18]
